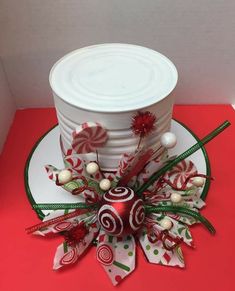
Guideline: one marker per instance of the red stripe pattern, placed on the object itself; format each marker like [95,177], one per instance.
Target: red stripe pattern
[179,173]
[88,137]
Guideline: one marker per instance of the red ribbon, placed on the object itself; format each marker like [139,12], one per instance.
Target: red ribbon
[183,187]
[165,237]
[136,168]
[52,221]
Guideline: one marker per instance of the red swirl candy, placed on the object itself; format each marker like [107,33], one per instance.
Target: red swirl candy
[69,257]
[121,211]
[88,137]
[105,254]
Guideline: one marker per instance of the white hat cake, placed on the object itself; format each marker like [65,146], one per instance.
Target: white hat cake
[108,84]
[114,106]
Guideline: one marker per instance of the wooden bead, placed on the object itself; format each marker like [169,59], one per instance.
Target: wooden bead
[105,184]
[166,223]
[92,168]
[198,181]
[65,176]
[168,140]
[176,198]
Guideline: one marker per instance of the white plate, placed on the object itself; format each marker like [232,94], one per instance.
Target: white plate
[47,151]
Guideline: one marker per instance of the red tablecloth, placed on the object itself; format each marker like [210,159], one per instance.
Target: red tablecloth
[26,261]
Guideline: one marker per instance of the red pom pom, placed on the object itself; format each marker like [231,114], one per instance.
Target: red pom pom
[76,234]
[143,123]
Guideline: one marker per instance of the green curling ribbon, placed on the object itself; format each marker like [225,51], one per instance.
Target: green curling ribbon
[63,206]
[181,210]
[182,156]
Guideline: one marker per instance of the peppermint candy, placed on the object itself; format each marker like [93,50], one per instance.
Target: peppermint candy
[88,137]
[179,173]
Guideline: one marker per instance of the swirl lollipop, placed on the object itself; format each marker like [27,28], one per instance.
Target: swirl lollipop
[105,254]
[69,257]
[88,137]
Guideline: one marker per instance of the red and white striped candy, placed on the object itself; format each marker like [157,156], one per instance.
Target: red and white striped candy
[105,255]
[181,172]
[69,257]
[75,164]
[52,172]
[88,137]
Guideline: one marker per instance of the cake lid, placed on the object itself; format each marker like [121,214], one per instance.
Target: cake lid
[113,77]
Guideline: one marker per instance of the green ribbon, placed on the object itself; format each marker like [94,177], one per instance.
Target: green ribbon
[63,206]
[181,210]
[182,156]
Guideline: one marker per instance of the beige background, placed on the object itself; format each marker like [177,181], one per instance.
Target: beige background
[198,35]
[7,106]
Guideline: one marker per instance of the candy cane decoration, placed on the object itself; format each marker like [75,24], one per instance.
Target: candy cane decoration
[88,137]
[75,164]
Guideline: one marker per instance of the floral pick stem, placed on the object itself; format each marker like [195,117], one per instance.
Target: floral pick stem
[139,143]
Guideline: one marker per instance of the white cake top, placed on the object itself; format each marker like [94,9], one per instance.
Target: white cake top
[113,77]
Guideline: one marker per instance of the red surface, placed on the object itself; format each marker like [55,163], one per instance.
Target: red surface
[26,261]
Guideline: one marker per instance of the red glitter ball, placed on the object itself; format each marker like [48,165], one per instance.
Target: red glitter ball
[121,212]
[118,278]
[143,123]
[76,234]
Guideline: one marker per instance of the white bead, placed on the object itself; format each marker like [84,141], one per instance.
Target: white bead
[166,223]
[168,140]
[64,176]
[198,181]
[105,184]
[176,197]
[92,168]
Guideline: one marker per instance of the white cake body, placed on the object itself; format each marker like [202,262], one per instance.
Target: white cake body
[108,84]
